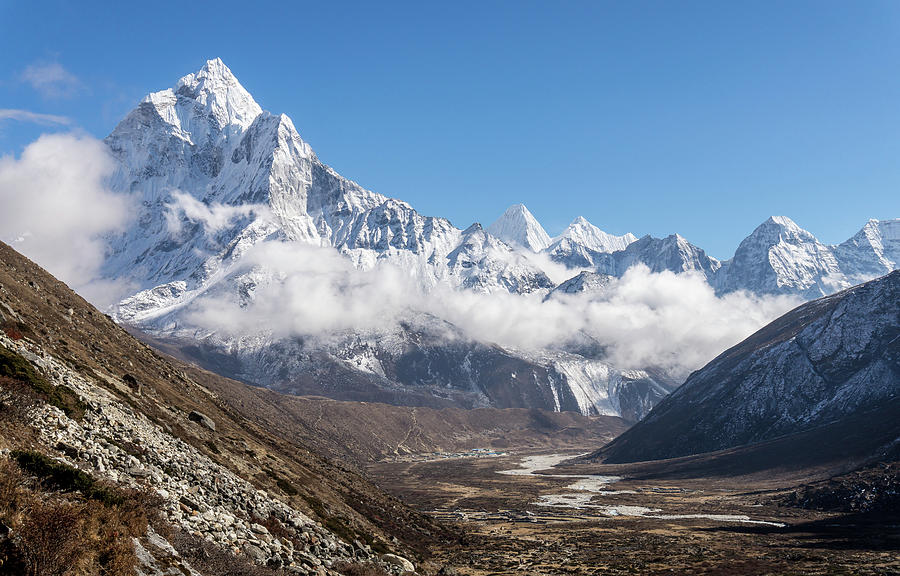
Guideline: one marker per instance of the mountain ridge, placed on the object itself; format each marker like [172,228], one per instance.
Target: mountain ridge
[218,177]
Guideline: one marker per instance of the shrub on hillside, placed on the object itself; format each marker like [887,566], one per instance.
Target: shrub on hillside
[50,537]
[64,521]
[17,368]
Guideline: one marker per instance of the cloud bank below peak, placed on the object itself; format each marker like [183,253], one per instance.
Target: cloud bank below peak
[672,322]
[57,209]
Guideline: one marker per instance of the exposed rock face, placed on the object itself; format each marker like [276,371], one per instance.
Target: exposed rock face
[829,360]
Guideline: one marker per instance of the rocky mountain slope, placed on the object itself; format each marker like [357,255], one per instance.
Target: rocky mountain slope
[830,362]
[84,400]
[220,182]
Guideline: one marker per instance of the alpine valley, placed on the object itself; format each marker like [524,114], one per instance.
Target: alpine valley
[304,377]
[238,218]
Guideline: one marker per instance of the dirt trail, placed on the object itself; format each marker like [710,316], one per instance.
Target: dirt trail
[412,426]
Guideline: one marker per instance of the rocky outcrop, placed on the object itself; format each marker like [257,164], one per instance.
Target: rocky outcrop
[202,419]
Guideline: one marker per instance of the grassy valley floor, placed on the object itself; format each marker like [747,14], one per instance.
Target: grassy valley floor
[529,524]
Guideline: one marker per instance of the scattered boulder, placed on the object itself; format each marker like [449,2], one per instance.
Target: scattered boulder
[132,383]
[255,552]
[399,561]
[202,419]
[138,472]
[258,528]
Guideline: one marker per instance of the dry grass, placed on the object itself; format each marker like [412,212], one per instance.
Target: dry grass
[57,530]
[49,537]
[11,489]
[16,368]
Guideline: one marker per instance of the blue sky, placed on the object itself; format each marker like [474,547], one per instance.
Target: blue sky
[701,118]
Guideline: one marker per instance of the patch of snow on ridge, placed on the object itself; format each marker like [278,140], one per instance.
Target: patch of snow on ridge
[590,382]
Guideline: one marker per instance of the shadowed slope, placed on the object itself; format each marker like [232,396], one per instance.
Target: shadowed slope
[818,365]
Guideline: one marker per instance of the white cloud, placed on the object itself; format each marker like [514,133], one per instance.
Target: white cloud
[672,322]
[214,217]
[55,208]
[307,290]
[34,117]
[675,322]
[51,80]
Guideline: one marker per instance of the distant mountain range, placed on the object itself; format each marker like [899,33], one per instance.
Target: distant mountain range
[217,176]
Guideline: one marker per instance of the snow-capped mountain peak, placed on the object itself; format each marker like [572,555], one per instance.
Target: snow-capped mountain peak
[217,176]
[783,221]
[218,90]
[779,257]
[784,229]
[672,253]
[582,243]
[486,263]
[586,234]
[872,251]
[517,226]
[207,138]
[882,235]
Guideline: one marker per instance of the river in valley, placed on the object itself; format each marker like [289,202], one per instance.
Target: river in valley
[585,488]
